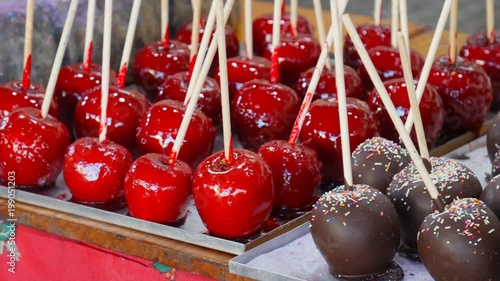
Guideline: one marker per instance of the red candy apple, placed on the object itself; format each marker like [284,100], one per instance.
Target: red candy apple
[486,54]
[125,109]
[94,172]
[13,96]
[371,36]
[431,109]
[158,192]
[263,30]
[155,62]
[327,86]
[296,174]
[234,199]
[32,148]
[466,92]
[321,132]
[158,130]
[262,111]
[176,86]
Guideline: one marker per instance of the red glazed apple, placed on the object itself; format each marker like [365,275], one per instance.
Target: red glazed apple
[262,111]
[387,61]
[176,86]
[242,70]
[327,86]
[234,199]
[431,109]
[296,174]
[94,172]
[155,62]
[263,30]
[296,54]
[125,109]
[158,192]
[32,148]
[13,96]
[466,92]
[371,36]
[73,81]
[486,54]
[321,132]
[158,130]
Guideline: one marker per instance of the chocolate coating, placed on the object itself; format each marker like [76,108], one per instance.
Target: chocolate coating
[491,195]
[461,243]
[493,138]
[495,165]
[356,231]
[412,201]
[376,161]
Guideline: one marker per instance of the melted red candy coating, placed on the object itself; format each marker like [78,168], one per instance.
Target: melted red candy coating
[321,132]
[13,96]
[125,109]
[371,36]
[32,148]
[234,199]
[156,191]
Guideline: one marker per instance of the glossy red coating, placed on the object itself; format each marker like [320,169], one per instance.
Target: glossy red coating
[156,191]
[466,92]
[296,173]
[94,172]
[32,148]
[262,111]
[125,110]
[371,36]
[158,129]
[321,132]
[431,110]
[13,96]
[234,200]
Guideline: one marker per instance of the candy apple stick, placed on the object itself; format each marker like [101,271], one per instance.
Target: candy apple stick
[377,12]
[28,43]
[276,40]
[54,73]
[106,56]
[318,13]
[386,99]
[129,40]
[294,14]
[403,15]
[165,25]
[248,29]
[89,35]
[490,20]
[195,33]
[394,22]
[453,31]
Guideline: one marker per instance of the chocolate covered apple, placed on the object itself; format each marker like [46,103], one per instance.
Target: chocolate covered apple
[491,195]
[14,96]
[371,36]
[493,138]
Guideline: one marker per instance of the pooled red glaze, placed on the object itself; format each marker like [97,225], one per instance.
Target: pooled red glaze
[486,54]
[159,126]
[32,148]
[156,191]
[262,111]
[431,110]
[154,63]
[321,132]
[176,86]
[234,199]
[242,70]
[296,54]
[73,81]
[327,86]
[13,96]
[371,36]
[466,92]
[387,61]
[94,171]
[296,173]
[263,30]
[125,109]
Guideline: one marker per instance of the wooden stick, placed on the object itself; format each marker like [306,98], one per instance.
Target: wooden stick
[394,22]
[311,89]
[276,40]
[129,40]
[294,14]
[403,15]
[248,29]
[453,31]
[28,43]
[224,83]
[89,35]
[165,21]
[419,127]
[318,13]
[429,60]
[377,12]
[386,99]
[490,20]
[54,73]
[106,56]
[342,6]
[195,33]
